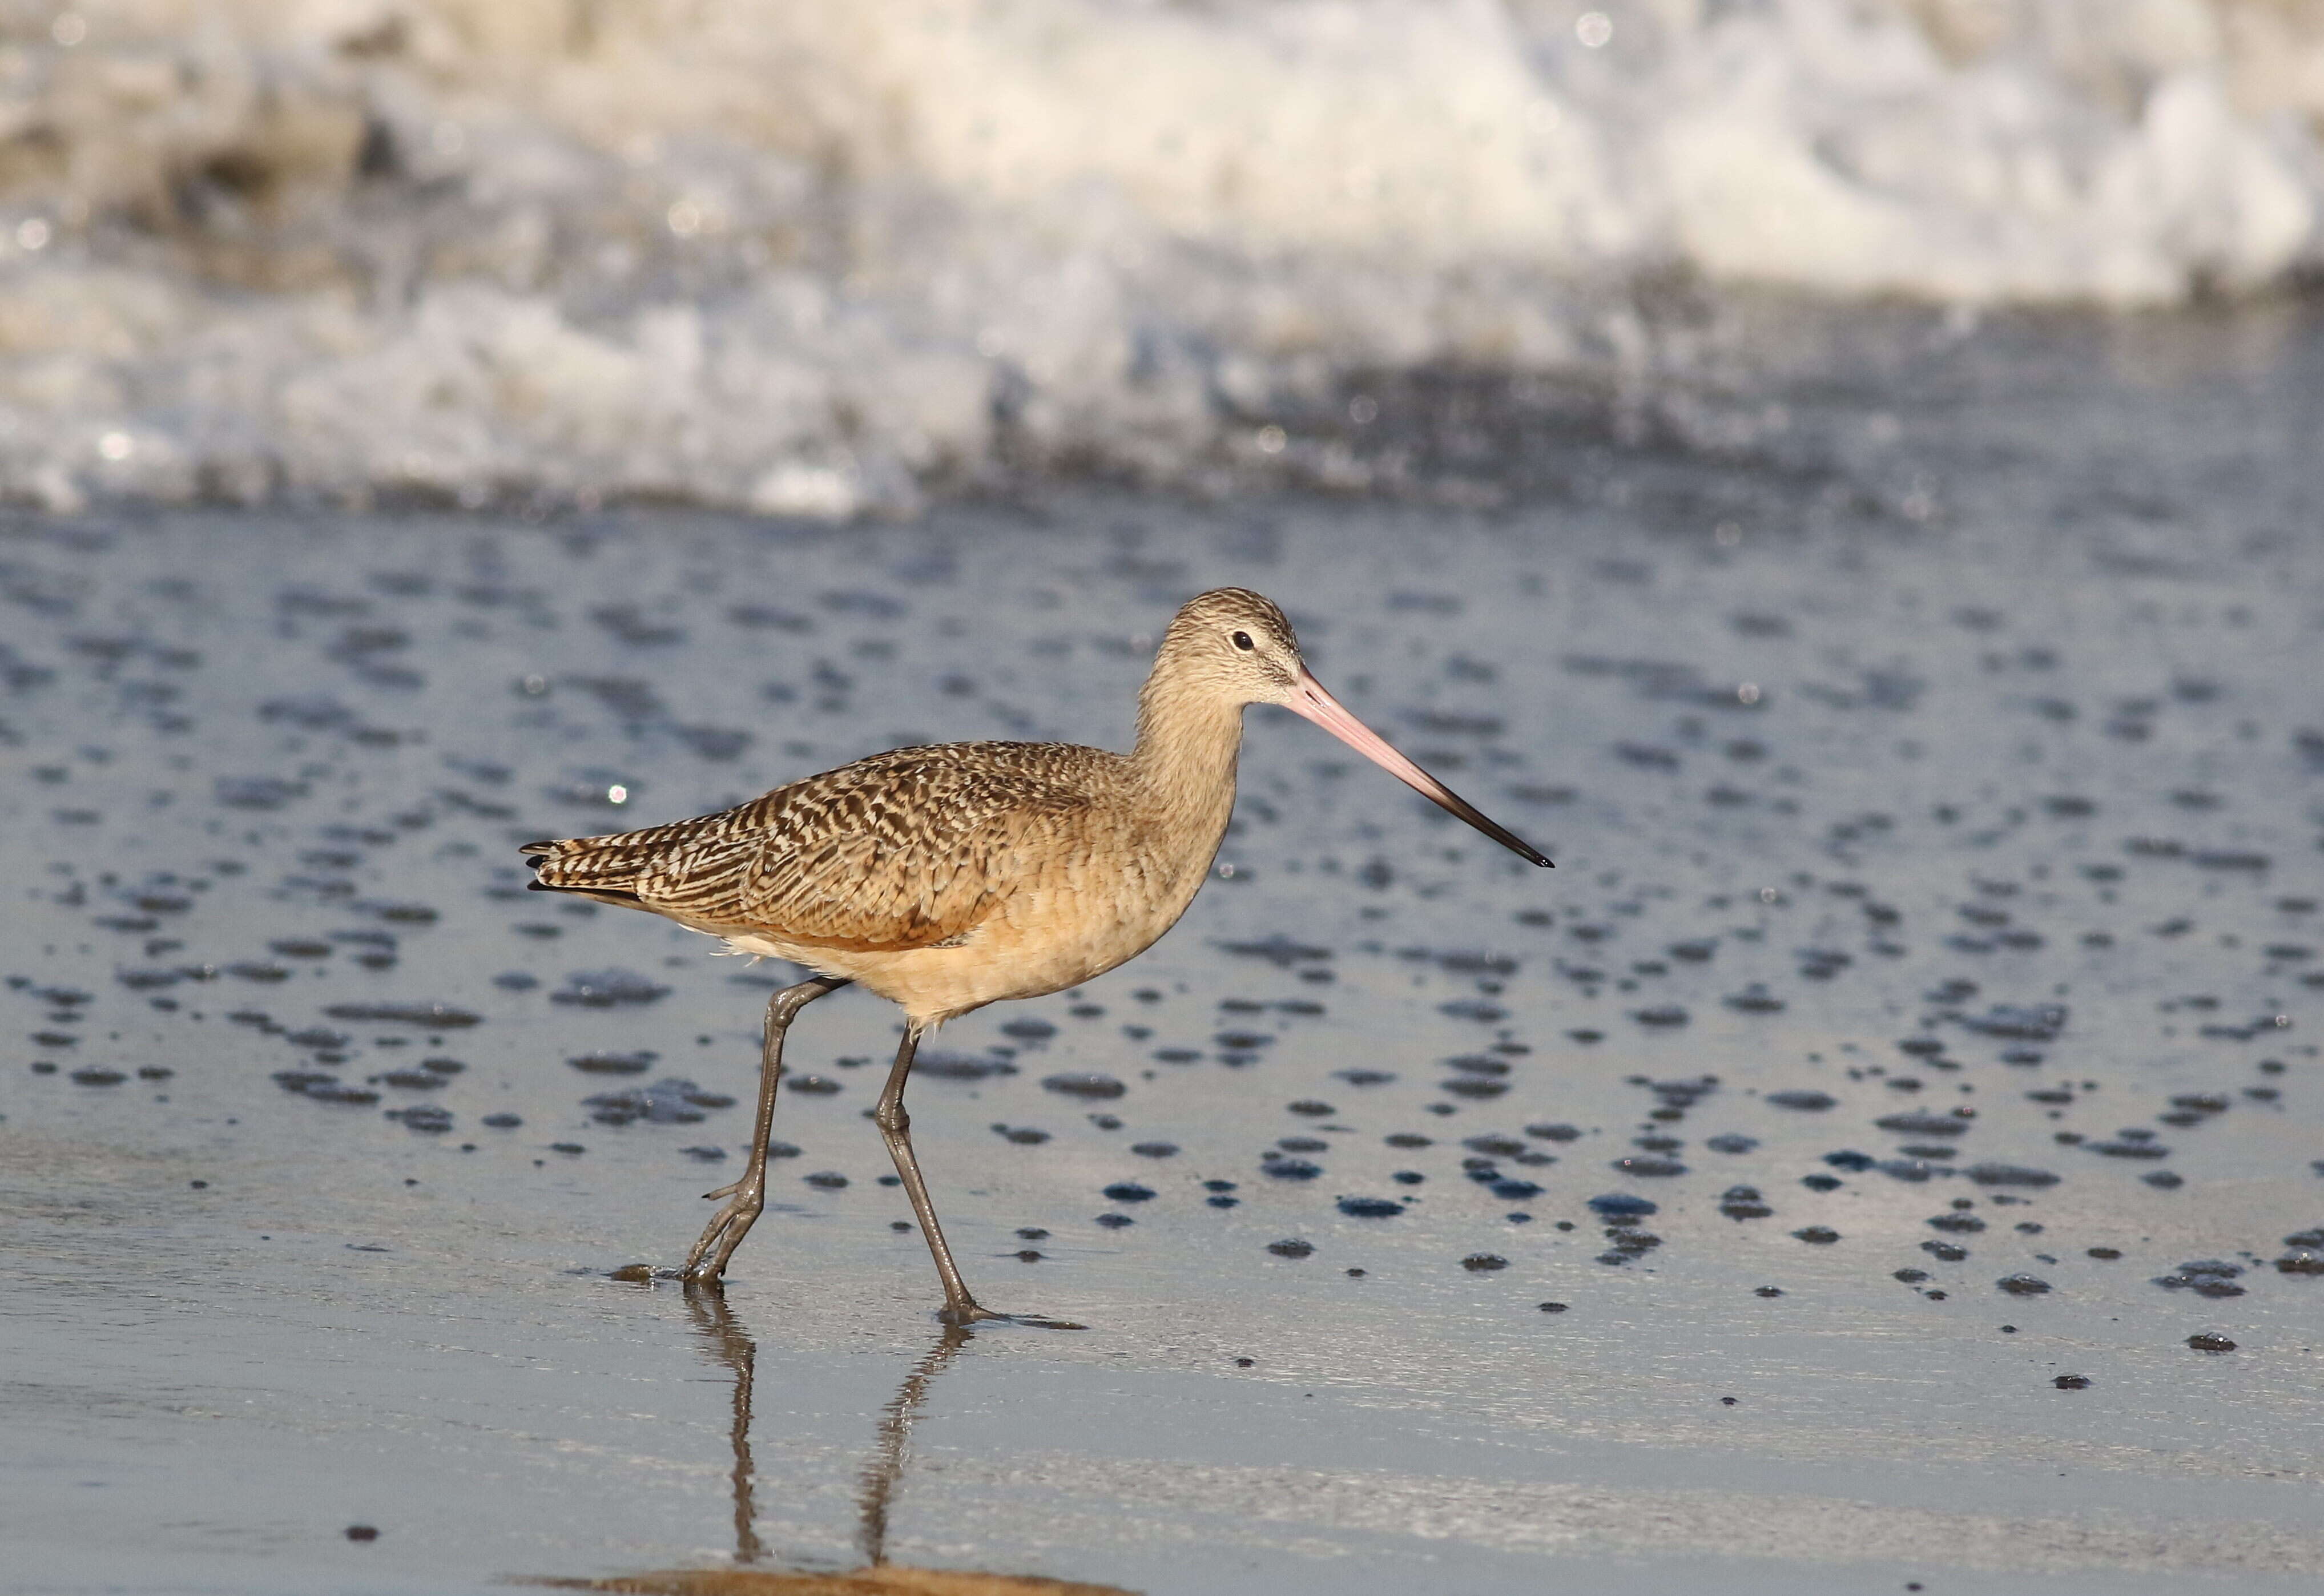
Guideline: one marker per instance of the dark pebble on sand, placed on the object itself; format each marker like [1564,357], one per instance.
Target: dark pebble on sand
[666,1102]
[2072,1382]
[1084,1084]
[608,989]
[1811,1103]
[1291,1249]
[428,1016]
[2012,1175]
[829,1180]
[614,1063]
[1621,1206]
[332,1091]
[362,1532]
[1744,1202]
[1484,1263]
[960,1066]
[1114,1222]
[1552,1307]
[1817,1235]
[2022,1285]
[1129,1191]
[1370,1207]
[2205,1341]
[98,1076]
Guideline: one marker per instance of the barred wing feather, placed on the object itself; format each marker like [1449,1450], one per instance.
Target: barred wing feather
[900,851]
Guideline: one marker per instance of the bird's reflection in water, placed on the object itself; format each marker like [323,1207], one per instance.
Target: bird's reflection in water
[730,1345]
[733,1346]
[885,1468]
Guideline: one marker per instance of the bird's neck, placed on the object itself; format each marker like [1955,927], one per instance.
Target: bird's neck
[1185,760]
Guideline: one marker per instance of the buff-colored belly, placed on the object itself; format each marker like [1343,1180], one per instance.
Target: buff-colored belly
[1043,939]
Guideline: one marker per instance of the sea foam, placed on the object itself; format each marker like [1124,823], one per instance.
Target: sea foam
[816,258]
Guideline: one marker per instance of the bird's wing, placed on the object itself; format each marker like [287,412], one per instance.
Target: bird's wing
[903,850]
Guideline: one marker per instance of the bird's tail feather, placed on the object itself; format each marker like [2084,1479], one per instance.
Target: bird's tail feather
[586,867]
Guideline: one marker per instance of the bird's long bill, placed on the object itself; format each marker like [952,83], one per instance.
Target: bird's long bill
[1311,700]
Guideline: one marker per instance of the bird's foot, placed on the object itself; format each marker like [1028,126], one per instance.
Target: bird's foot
[960,1315]
[746,1200]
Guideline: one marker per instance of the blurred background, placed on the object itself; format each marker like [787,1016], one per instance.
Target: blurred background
[826,258]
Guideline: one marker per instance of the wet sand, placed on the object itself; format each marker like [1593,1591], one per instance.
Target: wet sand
[1934,947]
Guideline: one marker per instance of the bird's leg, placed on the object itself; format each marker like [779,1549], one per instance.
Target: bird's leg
[748,1197]
[896,1127]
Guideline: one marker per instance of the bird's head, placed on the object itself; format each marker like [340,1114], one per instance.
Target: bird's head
[1234,645]
[1231,644]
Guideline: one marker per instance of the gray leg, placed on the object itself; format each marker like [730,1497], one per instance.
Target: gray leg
[748,1197]
[896,1127]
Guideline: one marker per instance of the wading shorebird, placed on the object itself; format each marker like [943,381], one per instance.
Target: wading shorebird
[947,878]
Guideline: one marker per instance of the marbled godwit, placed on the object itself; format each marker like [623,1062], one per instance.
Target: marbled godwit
[947,878]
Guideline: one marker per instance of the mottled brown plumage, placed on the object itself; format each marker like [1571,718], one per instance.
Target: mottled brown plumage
[950,877]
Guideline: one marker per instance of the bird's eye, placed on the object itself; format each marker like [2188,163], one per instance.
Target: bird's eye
[1242,640]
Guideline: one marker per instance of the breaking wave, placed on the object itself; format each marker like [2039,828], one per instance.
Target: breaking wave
[820,257]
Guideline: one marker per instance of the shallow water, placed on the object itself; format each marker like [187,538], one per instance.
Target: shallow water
[1936,838]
